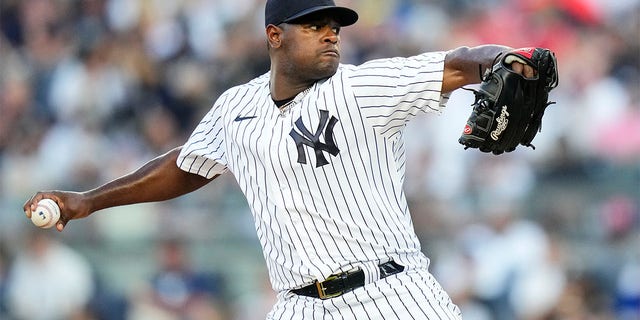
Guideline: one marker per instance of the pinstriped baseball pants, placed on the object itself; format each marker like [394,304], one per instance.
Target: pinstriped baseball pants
[413,294]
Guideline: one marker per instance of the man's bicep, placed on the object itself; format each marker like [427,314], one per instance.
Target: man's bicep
[390,92]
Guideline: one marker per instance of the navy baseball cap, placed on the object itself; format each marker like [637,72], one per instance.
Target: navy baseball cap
[279,11]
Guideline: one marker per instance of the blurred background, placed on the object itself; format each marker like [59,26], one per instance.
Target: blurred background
[90,90]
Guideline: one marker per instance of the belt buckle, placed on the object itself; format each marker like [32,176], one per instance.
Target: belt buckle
[322,294]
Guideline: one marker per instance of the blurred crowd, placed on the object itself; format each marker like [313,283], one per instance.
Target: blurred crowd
[92,89]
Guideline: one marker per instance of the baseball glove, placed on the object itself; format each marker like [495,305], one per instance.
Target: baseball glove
[508,107]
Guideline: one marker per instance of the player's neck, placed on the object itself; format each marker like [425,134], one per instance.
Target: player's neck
[280,103]
[283,88]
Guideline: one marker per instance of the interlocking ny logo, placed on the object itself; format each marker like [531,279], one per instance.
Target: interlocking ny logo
[305,137]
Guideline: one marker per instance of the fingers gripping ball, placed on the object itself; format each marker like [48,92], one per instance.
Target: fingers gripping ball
[46,215]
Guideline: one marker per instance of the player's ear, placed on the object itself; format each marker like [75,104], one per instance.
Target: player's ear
[274,36]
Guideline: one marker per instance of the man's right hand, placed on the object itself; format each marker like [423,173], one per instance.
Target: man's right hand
[73,205]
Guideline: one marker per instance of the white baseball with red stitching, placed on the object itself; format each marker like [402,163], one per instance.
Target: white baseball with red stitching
[46,214]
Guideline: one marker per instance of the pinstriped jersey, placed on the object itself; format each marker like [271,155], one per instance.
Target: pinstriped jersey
[323,176]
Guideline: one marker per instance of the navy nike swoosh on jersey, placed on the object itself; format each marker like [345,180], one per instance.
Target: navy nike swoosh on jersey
[241,118]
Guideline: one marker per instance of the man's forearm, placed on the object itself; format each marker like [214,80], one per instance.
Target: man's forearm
[464,65]
[158,180]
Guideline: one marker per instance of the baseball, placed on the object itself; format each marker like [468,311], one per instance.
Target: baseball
[46,215]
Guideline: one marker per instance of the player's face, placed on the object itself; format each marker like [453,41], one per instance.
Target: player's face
[312,48]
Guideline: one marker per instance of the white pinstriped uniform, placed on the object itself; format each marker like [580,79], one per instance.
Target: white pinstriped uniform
[314,220]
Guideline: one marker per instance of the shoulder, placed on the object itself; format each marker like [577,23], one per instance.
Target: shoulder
[427,58]
[253,87]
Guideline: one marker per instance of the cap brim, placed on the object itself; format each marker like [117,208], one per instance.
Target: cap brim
[344,16]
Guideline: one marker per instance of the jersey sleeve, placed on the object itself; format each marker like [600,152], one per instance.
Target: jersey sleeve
[204,151]
[392,91]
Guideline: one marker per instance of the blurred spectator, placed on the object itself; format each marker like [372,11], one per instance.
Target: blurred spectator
[517,273]
[49,281]
[455,269]
[4,266]
[260,300]
[628,290]
[177,291]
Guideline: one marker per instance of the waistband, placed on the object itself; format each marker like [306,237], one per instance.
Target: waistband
[341,283]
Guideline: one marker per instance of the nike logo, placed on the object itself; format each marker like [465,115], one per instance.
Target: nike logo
[240,118]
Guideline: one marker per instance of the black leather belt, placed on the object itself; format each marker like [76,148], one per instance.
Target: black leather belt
[338,284]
